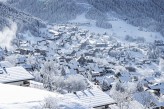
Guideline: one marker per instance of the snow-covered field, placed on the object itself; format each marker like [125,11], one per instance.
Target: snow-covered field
[16,97]
[119,29]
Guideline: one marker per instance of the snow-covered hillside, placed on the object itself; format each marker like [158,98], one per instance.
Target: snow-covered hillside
[24,21]
[105,14]
[16,97]
[120,29]
[49,10]
[144,13]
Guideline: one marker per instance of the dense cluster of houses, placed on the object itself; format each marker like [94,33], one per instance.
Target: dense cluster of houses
[78,51]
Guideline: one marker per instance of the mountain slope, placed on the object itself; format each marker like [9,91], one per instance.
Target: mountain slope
[144,13]
[49,10]
[24,21]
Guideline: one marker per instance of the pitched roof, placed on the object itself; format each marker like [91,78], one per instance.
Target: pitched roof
[5,64]
[92,97]
[14,74]
[158,86]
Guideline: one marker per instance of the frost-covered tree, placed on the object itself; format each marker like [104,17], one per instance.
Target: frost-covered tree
[75,83]
[50,68]
[106,85]
[49,103]
[58,83]
[122,93]
[48,71]
[53,80]
[37,76]
[121,98]
[54,83]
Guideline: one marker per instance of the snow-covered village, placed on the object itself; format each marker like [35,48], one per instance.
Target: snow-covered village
[79,63]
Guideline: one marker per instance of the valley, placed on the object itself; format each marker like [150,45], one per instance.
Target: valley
[88,52]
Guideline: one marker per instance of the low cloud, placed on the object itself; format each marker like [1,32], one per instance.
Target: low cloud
[7,35]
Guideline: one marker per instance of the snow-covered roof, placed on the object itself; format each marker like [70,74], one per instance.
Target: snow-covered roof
[16,97]
[21,59]
[92,97]
[95,73]
[14,74]
[5,64]
[54,32]
[158,86]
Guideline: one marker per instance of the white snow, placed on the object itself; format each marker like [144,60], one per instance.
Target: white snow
[119,29]
[11,94]
[16,97]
